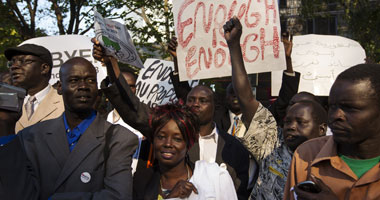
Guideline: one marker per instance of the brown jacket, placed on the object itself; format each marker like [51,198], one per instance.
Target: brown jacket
[51,107]
[318,157]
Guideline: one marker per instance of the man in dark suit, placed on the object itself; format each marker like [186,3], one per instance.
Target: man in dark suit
[78,155]
[215,145]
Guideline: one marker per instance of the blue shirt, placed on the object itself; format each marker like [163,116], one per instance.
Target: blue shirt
[74,134]
[6,139]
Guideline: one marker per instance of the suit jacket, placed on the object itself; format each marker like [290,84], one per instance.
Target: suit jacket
[222,118]
[51,107]
[56,172]
[229,150]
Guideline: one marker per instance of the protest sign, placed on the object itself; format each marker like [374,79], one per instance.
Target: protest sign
[202,50]
[114,37]
[154,86]
[320,59]
[64,47]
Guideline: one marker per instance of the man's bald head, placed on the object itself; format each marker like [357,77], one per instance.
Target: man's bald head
[74,61]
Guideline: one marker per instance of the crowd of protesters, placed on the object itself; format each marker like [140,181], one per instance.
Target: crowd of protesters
[58,142]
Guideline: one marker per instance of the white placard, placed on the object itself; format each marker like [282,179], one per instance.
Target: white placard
[320,59]
[202,50]
[114,37]
[64,47]
[154,86]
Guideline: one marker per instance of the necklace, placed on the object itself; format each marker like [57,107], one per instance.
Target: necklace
[166,192]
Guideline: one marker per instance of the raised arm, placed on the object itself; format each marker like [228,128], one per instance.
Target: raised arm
[261,135]
[131,110]
[289,85]
[113,70]
[240,82]
[181,89]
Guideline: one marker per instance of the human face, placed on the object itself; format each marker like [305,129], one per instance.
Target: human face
[232,100]
[299,126]
[201,100]
[26,71]
[130,80]
[169,145]
[78,87]
[353,114]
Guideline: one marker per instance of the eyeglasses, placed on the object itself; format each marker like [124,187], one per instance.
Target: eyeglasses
[20,61]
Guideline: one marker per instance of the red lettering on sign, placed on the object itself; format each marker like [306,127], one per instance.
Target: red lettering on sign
[222,53]
[275,42]
[232,9]
[207,61]
[189,64]
[256,15]
[242,10]
[218,26]
[207,26]
[253,48]
[270,7]
[181,25]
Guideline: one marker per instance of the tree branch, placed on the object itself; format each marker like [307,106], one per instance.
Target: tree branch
[59,17]
[87,29]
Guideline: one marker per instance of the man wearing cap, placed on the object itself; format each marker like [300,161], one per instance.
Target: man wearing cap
[30,66]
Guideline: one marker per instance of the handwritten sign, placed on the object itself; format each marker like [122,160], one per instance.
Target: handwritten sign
[64,47]
[114,37]
[320,59]
[202,50]
[154,86]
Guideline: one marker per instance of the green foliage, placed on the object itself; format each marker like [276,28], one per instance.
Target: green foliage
[151,25]
[362,18]
[8,35]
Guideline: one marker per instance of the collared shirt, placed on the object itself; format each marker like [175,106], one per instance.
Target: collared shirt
[289,73]
[208,145]
[39,96]
[319,157]
[6,139]
[232,119]
[273,172]
[74,134]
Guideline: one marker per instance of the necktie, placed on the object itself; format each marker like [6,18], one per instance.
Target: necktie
[235,127]
[29,106]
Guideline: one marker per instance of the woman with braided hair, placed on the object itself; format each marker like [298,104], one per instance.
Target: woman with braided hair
[175,130]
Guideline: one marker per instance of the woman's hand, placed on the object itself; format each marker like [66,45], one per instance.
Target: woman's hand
[182,189]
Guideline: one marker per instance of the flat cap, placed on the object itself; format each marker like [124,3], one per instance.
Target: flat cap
[30,49]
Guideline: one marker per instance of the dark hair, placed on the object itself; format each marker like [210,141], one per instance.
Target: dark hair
[361,72]
[312,96]
[186,120]
[209,88]
[129,71]
[319,114]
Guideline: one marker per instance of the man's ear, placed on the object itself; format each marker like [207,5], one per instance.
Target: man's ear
[45,69]
[322,129]
[59,87]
